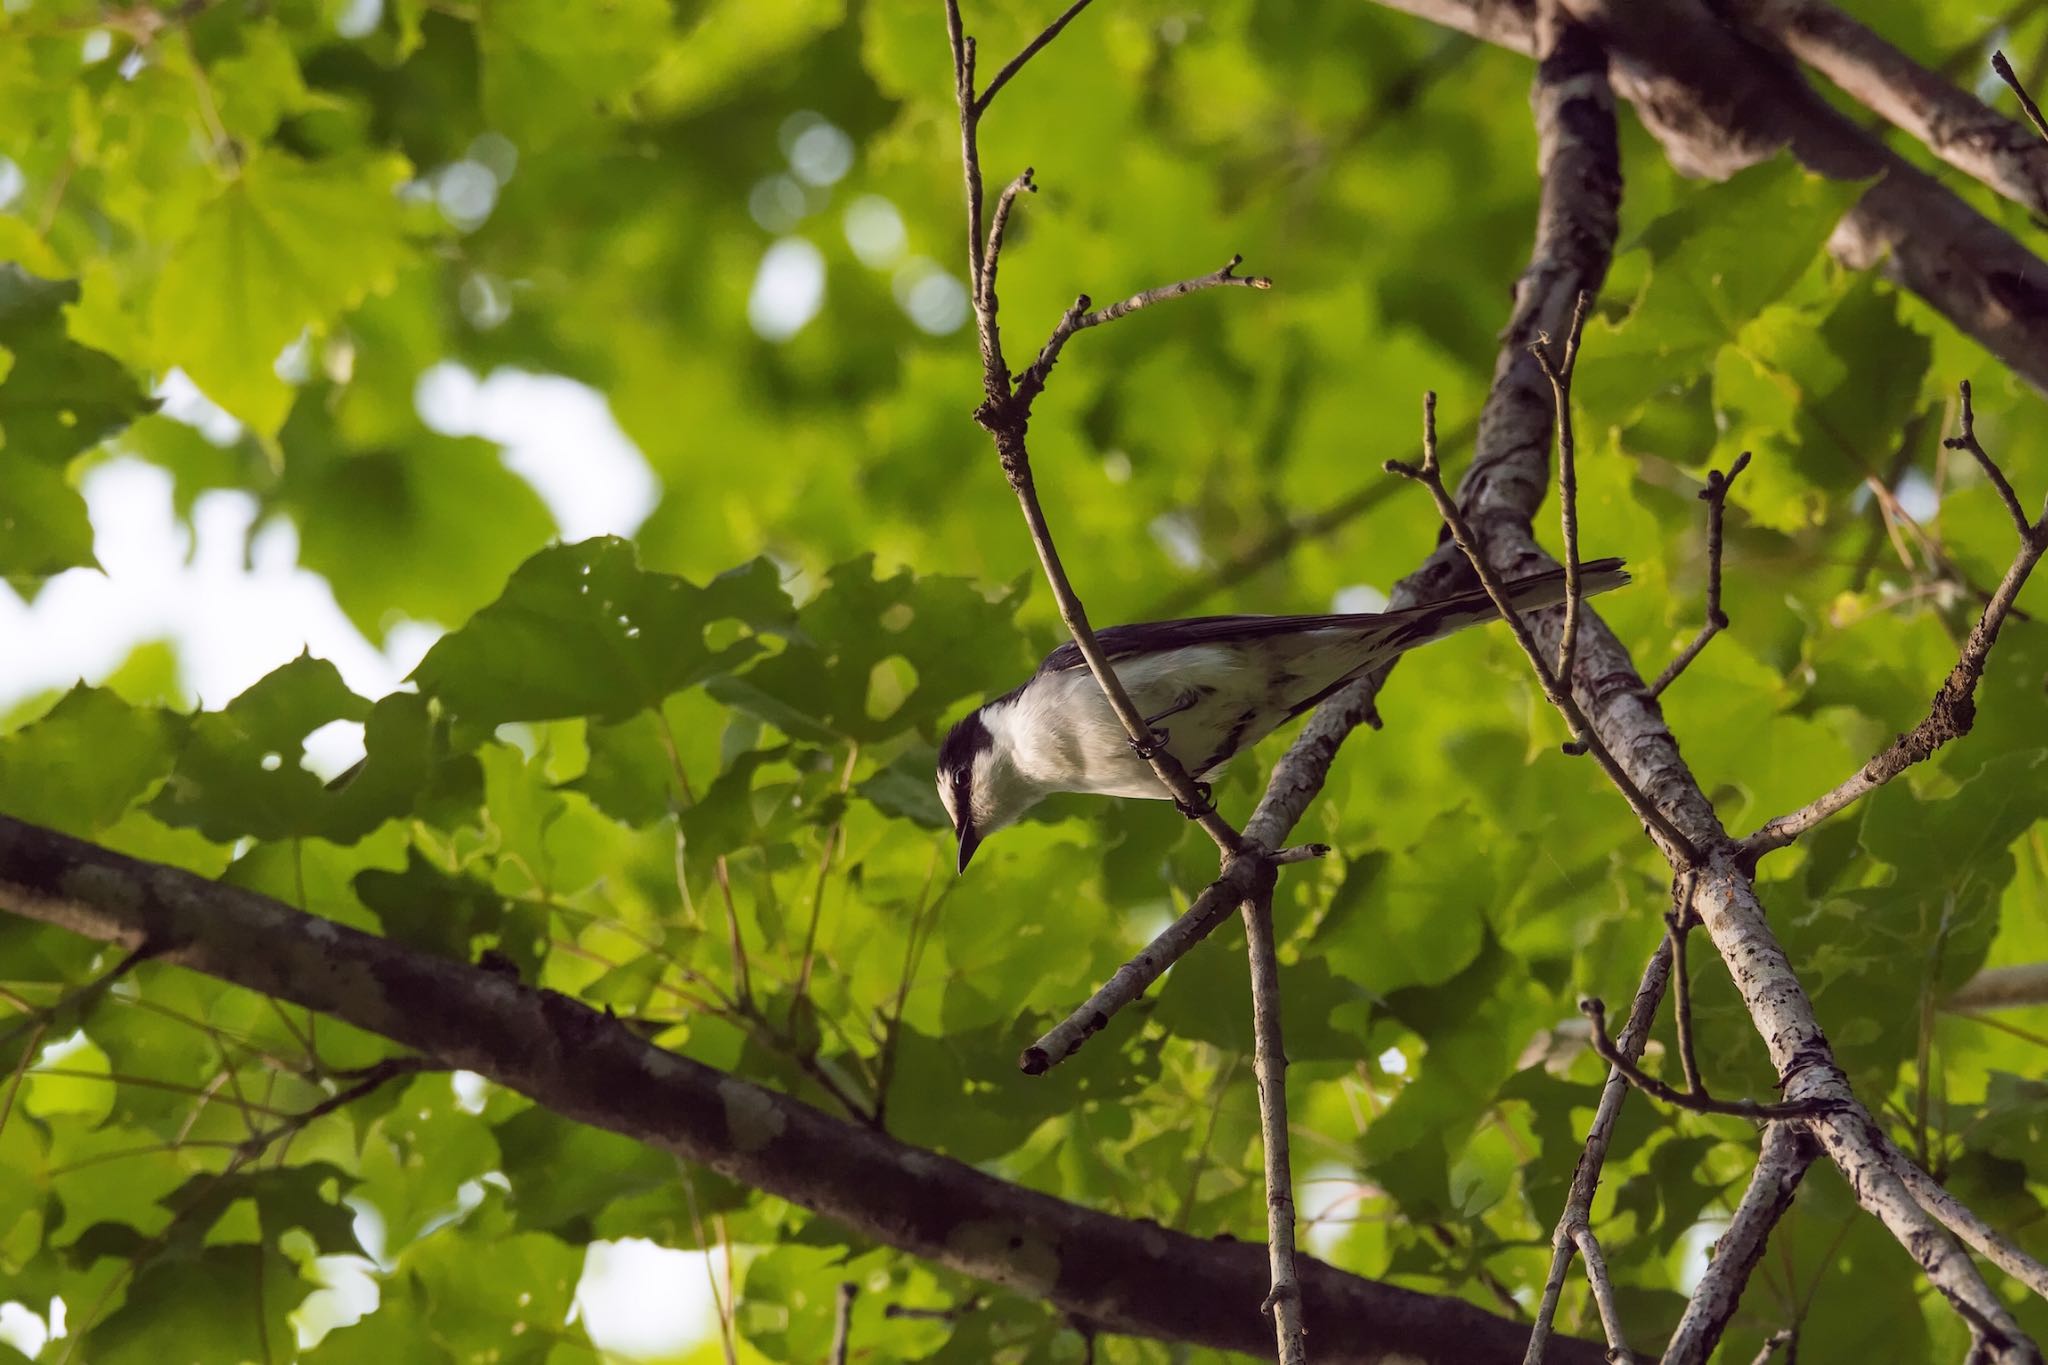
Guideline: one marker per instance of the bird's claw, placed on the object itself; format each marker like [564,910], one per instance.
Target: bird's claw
[1152,745]
[1205,802]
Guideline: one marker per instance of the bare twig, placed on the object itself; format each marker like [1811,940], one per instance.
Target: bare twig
[1006,416]
[1787,1152]
[1559,373]
[1603,1295]
[1016,63]
[1578,1208]
[1679,924]
[1966,439]
[1430,475]
[1715,496]
[1958,1218]
[1774,1343]
[78,1002]
[842,1322]
[1954,709]
[2006,74]
[1595,1010]
[1269,1062]
[1083,315]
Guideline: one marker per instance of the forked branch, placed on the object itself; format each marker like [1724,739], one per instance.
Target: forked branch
[1954,709]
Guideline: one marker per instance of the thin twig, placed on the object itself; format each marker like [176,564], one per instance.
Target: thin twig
[1715,496]
[1083,315]
[1586,1177]
[1269,1063]
[842,1322]
[1595,1010]
[1680,923]
[1774,1343]
[996,228]
[1240,878]
[2006,74]
[1954,709]
[1966,439]
[1031,49]
[1430,476]
[1602,1285]
[1560,377]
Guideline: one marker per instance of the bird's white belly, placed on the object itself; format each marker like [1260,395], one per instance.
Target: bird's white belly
[1073,741]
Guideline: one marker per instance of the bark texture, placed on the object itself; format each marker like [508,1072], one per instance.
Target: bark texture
[1126,1276]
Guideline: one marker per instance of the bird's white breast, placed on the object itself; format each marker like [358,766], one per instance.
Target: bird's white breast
[1064,737]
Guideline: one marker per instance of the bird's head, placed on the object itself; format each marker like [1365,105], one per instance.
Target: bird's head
[978,782]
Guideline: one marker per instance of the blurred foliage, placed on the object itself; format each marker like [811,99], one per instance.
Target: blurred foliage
[621,751]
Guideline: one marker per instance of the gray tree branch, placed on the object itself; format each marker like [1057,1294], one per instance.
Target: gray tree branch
[1719,101]
[1128,1276]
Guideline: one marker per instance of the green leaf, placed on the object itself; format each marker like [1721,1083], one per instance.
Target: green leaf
[238,773]
[57,397]
[544,80]
[880,656]
[85,762]
[286,246]
[225,1303]
[1713,263]
[446,914]
[583,630]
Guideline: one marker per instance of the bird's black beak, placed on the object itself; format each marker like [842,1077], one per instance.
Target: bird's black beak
[970,840]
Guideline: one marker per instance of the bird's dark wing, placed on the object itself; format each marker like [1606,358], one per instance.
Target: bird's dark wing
[1404,628]
[1151,637]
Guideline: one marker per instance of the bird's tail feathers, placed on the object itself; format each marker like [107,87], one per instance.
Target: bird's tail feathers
[1434,620]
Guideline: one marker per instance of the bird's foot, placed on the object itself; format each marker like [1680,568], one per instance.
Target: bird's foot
[1205,803]
[1153,745]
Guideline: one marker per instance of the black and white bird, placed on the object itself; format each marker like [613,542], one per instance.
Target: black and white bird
[1210,686]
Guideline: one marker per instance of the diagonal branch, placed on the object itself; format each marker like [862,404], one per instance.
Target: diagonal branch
[1719,102]
[1129,1276]
[1430,475]
[1031,49]
[1950,121]
[1954,709]
[1787,1152]
[1082,316]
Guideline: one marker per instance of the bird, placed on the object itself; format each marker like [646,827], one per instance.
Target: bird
[1223,682]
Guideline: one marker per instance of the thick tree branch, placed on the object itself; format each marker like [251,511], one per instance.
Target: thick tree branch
[1130,1276]
[1719,102]
[1957,1217]
[1950,121]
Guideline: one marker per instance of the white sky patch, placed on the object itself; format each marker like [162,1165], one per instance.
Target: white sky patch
[1359,597]
[789,288]
[1394,1062]
[231,621]
[1917,497]
[23,1328]
[559,435]
[642,1299]
[1327,1196]
[821,154]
